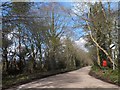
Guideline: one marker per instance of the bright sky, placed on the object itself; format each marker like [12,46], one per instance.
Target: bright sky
[60,0]
[81,44]
[79,41]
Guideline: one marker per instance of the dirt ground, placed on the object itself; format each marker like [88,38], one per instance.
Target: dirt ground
[73,79]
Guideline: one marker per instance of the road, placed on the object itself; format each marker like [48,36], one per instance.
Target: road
[73,79]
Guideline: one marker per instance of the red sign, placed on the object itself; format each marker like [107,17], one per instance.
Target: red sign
[104,63]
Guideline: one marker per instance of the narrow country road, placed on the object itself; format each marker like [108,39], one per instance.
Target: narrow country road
[74,79]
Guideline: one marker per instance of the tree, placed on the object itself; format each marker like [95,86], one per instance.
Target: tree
[55,29]
[12,23]
[99,26]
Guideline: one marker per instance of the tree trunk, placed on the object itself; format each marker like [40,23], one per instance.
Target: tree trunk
[101,48]
[99,45]
[98,57]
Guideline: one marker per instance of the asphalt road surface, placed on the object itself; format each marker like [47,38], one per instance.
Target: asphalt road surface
[73,79]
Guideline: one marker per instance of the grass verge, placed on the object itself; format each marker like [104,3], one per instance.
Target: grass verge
[105,74]
[13,81]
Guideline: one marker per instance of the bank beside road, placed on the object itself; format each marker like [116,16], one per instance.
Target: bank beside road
[106,74]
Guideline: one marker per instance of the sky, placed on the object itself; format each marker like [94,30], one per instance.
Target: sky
[81,44]
[79,41]
[60,0]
